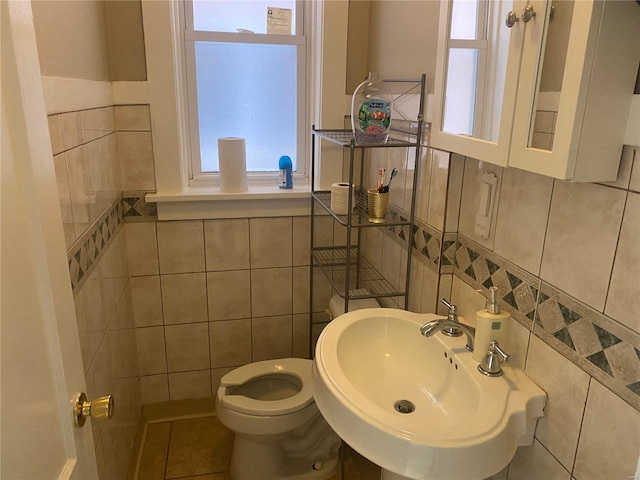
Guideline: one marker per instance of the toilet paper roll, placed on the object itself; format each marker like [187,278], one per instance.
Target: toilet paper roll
[340,198]
[232,158]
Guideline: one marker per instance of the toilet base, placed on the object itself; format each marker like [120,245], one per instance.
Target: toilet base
[268,461]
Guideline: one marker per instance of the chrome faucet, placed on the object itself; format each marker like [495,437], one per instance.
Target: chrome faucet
[441,324]
[452,316]
[491,365]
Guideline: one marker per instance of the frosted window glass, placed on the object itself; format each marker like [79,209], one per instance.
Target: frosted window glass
[464,20]
[460,100]
[231,15]
[249,91]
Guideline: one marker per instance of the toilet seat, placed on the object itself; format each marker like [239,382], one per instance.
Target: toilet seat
[297,367]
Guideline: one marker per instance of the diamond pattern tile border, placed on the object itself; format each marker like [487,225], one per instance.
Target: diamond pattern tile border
[481,269]
[85,252]
[602,347]
[136,209]
[426,240]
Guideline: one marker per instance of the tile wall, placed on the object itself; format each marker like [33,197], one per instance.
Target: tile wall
[206,296]
[89,147]
[566,259]
[212,295]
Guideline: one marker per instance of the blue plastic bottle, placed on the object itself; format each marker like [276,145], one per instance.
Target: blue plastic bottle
[286,172]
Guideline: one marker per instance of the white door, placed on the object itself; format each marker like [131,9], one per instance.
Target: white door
[41,367]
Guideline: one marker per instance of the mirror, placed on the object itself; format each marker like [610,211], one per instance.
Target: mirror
[553,58]
[477,53]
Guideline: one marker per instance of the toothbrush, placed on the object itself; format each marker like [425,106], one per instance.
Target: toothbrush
[381,172]
[385,188]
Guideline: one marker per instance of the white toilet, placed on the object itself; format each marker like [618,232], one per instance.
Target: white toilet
[279,432]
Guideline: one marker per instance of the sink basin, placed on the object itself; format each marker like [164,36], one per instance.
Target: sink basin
[417,406]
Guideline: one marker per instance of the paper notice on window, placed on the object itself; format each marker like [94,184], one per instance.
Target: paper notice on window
[278,21]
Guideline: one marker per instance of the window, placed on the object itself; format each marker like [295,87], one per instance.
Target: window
[246,76]
[467,59]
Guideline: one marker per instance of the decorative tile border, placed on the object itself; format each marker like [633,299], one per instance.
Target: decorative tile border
[86,251]
[602,347]
[426,240]
[449,248]
[482,269]
[136,209]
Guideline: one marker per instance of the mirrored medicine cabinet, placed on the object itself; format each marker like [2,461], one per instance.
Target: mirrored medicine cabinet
[544,86]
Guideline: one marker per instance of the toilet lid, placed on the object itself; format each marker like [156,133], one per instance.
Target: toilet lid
[298,367]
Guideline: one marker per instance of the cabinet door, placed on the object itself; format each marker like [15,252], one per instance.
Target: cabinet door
[579,64]
[477,76]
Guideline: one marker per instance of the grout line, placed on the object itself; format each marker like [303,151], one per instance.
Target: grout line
[615,252]
[584,413]
[166,457]
[546,231]
[136,471]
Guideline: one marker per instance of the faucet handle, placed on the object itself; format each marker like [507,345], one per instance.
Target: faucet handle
[445,302]
[491,365]
[453,316]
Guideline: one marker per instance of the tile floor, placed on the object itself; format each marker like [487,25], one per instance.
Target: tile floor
[200,449]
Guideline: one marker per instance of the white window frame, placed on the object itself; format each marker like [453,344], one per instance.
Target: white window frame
[481,45]
[176,199]
[298,39]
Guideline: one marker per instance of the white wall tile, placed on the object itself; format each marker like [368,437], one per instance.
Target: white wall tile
[185,385]
[155,388]
[150,342]
[300,289]
[181,246]
[184,298]
[271,242]
[271,292]
[142,248]
[227,244]
[132,118]
[272,337]
[230,342]
[135,152]
[72,130]
[584,222]
[535,462]
[187,347]
[438,190]
[55,133]
[623,300]
[558,430]
[229,295]
[522,218]
[301,240]
[147,300]
[608,446]
[301,332]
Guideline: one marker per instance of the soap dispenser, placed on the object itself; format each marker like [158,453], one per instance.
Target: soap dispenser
[491,324]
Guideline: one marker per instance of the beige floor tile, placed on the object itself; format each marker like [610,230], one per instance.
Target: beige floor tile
[210,476]
[154,453]
[199,446]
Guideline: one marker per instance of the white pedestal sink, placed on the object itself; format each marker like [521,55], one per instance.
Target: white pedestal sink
[417,406]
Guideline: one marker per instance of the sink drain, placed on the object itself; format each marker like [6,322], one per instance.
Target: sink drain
[404,406]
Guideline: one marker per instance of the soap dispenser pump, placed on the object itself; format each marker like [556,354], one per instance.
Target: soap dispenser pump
[491,324]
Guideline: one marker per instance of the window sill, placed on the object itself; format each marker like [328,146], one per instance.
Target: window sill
[211,203]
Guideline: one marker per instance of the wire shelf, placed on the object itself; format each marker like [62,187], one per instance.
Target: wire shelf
[345,138]
[361,273]
[360,216]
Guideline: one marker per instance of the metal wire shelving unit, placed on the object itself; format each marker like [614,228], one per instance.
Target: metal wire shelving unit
[351,274]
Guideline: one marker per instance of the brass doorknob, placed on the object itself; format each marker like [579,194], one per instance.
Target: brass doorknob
[101,407]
